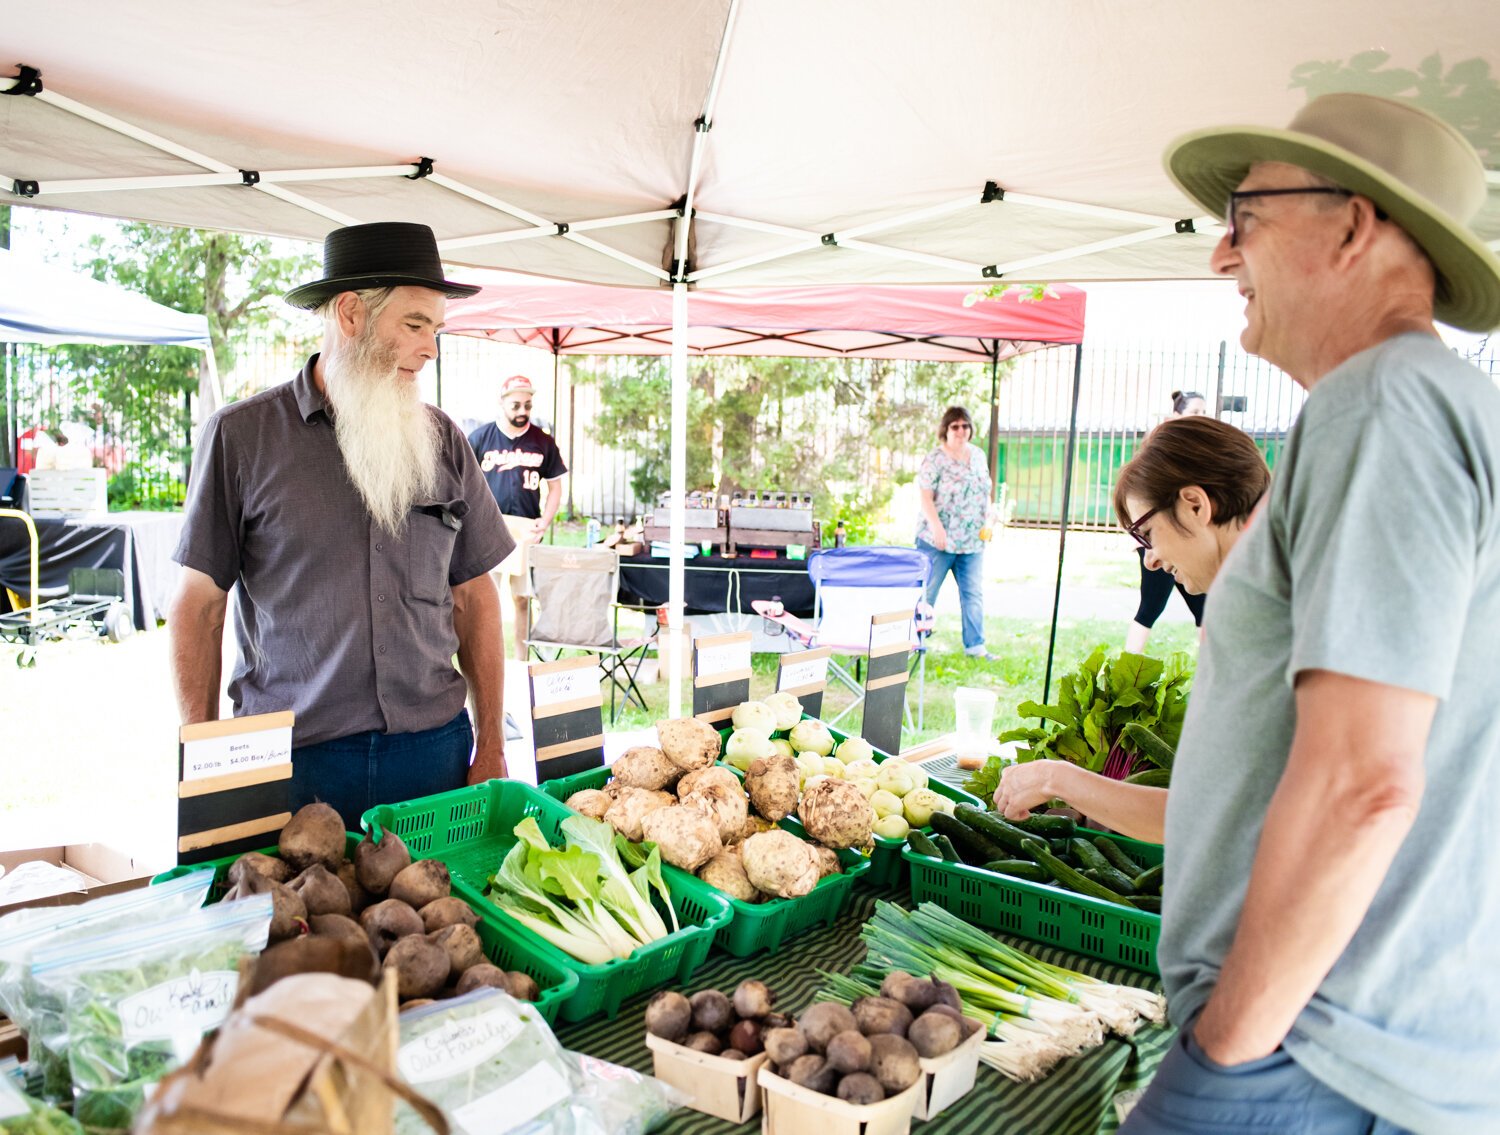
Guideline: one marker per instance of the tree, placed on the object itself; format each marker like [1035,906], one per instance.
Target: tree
[147,390]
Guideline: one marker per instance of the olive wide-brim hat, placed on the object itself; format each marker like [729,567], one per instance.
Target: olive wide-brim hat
[1413,165]
[386,254]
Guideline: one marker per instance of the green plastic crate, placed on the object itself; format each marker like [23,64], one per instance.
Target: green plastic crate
[765,925]
[470,830]
[1043,913]
[502,943]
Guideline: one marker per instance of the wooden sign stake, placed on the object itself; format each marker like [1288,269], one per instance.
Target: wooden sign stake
[885,680]
[805,673]
[721,675]
[234,782]
[567,722]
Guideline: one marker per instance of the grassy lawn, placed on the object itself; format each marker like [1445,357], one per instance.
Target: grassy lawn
[1016,675]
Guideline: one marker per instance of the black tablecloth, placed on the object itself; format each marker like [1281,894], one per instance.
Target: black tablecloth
[715,585]
[68,544]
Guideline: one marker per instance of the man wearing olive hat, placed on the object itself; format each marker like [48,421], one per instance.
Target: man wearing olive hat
[358,533]
[1331,927]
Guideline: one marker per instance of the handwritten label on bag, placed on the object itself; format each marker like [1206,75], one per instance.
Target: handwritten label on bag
[236,752]
[560,686]
[890,634]
[184,1006]
[812,672]
[457,1046]
[520,1101]
[731,658]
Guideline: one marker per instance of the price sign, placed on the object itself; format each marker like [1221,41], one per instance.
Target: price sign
[567,723]
[805,674]
[233,785]
[889,633]
[721,675]
[885,680]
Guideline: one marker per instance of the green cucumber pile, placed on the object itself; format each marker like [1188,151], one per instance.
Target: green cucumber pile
[1042,849]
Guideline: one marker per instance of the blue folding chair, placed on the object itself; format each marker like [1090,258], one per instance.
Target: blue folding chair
[850,586]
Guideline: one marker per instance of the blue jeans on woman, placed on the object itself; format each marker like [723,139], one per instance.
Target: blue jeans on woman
[353,774]
[968,573]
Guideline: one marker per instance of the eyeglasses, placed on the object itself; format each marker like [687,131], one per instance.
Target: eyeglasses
[1231,220]
[1134,528]
[961,426]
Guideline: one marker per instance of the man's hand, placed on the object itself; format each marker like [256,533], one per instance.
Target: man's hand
[538,529]
[489,760]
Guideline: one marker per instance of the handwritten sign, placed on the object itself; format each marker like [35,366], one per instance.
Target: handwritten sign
[222,753]
[729,658]
[797,672]
[559,686]
[894,633]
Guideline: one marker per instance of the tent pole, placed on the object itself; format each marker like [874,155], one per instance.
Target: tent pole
[1062,528]
[676,577]
[994,443]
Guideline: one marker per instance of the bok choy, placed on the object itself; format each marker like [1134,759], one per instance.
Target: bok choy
[584,897]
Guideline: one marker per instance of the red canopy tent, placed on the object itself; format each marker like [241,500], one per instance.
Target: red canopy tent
[892,322]
[934,323]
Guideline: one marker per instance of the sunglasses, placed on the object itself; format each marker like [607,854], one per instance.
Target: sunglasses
[1231,210]
[1134,528]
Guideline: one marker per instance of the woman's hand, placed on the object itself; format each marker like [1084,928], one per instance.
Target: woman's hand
[1026,786]
[939,538]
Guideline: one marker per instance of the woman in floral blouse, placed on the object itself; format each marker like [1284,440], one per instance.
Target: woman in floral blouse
[955,490]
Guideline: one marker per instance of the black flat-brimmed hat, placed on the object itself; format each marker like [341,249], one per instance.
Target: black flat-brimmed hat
[386,254]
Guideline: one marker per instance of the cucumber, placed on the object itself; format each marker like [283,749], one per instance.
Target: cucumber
[993,827]
[946,849]
[1149,903]
[1109,877]
[919,842]
[1151,778]
[1149,882]
[974,848]
[1087,856]
[1062,848]
[1117,858]
[1071,878]
[1020,869]
[1048,827]
[1154,749]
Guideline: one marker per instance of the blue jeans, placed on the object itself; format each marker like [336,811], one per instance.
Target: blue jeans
[353,774]
[968,573]
[1191,1095]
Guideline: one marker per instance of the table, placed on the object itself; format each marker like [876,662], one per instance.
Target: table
[719,585]
[138,544]
[1076,1098]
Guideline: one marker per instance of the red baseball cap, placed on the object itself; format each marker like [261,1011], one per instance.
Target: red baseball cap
[516,384]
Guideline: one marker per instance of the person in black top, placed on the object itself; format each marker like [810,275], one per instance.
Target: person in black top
[517,457]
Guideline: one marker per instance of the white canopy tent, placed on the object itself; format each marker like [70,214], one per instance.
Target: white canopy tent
[675,142]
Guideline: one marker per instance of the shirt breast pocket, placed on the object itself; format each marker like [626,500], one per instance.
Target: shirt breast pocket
[430,540]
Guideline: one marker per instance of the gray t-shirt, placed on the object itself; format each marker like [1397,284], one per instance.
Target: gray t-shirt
[1376,555]
[338,620]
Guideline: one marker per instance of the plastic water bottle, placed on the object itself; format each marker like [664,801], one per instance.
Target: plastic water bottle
[592,536]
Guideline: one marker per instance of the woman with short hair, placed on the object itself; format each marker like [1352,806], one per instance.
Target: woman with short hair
[955,492]
[1186,497]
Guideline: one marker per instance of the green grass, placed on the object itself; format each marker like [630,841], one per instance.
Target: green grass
[1016,674]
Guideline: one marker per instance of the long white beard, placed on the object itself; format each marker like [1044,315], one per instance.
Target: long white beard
[389,441]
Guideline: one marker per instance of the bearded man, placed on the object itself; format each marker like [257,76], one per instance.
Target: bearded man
[358,533]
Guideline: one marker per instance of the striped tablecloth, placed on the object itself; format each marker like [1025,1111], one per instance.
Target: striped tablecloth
[1075,1099]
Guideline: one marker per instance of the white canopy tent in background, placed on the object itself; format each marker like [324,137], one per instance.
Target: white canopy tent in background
[663,143]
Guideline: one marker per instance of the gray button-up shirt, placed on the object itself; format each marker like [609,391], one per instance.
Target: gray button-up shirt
[338,620]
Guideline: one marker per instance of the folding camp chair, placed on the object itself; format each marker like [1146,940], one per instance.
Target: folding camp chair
[850,585]
[573,607]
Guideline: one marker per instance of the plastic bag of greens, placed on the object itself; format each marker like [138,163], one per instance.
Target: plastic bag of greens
[129,1007]
[22,931]
[22,1115]
[493,1066]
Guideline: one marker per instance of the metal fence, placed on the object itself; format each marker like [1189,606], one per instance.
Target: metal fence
[143,439]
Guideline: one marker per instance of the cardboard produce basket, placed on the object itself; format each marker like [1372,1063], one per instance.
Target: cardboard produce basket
[948,1078]
[726,1089]
[792,1110]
